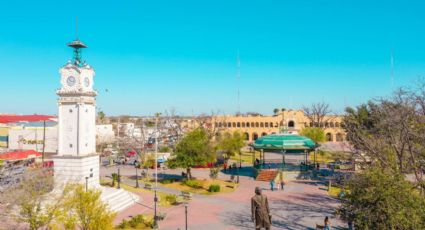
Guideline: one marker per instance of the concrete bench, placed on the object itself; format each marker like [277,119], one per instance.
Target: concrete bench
[148,186]
[186,195]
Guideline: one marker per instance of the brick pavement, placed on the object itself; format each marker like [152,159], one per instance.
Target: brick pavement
[300,206]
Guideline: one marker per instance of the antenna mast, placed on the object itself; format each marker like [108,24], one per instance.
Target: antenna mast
[238,78]
[392,69]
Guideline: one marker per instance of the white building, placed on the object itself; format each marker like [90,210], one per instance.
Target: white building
[125,129]
[31,138]
[105,134]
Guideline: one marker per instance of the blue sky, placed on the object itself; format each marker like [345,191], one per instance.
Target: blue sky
[157,55]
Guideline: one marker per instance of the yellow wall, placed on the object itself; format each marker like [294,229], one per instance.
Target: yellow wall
[292,121]
[4,134]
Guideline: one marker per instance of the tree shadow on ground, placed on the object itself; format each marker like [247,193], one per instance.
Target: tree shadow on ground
[287,214]
[244,171]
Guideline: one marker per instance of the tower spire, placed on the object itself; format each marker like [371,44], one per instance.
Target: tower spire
[77,45]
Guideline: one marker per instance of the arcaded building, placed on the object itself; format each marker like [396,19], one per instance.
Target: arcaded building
[292,121]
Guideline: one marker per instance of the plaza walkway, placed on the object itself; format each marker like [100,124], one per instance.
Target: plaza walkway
[302,205]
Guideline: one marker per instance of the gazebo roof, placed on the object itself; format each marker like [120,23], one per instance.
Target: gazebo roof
[284,141]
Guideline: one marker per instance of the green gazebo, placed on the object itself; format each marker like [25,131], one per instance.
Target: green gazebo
[284,143]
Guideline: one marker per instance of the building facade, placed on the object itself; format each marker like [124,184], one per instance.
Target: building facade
[291,121]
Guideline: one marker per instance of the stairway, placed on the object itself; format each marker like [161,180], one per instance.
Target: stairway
[267,175]
[118,199]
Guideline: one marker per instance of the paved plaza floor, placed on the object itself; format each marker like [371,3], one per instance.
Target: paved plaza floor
[301,205]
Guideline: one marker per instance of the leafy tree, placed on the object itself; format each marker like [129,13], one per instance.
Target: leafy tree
[381,199]
[29,197]
[85,210]
[193,149]
[275,111]
[314,133]
[100,116]
[231,143]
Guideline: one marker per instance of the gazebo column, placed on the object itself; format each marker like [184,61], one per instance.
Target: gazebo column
[283,159]
[264,158]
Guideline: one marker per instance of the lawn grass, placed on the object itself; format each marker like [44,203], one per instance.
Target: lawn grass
[246,157]
[335,191]
[322,157]
[225,186]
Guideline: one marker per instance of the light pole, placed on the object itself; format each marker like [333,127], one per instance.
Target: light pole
[137,177]
[185,213]
[119,178]
[155,219]
[87,183]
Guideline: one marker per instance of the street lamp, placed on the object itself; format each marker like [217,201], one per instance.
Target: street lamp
[155,199]
[119,178]
[185,213]
[137,177]
[87,183]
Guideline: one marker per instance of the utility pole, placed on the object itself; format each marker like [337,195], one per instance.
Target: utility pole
[44,143]
[155,219]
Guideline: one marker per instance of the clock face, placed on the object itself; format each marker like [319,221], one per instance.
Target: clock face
[86,81]
[70,81]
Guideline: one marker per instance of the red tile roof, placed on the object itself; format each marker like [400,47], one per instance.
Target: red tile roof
[24,118]
[22,155]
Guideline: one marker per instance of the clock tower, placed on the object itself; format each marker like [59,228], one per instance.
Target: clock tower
[77,160]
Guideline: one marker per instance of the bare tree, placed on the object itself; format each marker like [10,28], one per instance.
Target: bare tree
[318,113]
[390,132]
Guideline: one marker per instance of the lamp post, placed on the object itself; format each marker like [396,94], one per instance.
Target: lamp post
[155,219]
[119,178]
[185,214]
[137,177]
[87,183]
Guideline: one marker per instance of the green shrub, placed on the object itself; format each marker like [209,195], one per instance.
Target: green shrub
[171,199]
[193,183]
[136,222]
[214,188]
[168,181]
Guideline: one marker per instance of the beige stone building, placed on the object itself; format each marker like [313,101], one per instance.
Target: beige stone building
[292,121]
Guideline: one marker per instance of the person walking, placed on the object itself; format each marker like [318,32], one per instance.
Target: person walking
[282,183]
[260,212]
[327,224]
[272,185]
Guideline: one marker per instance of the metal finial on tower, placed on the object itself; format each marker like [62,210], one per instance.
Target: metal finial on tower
[77,45]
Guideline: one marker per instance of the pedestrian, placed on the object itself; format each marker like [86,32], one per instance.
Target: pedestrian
[282,183]
[327,224]
[260,210]
[269,166]
[225,167]
[272,185]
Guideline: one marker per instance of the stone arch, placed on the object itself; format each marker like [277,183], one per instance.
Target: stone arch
[264,134]
[252,124]
[281,123]
[326,124]
[261,124]
[239,124]
[291,124]
[331,124]
[246,136]
[329,137]
[243,124]
[256,124]
[254,136]
[266,124]
[234,124]
[271,124]
[229,124]
[247,124]
[311,124]
[339,137]
[336,124]
[220,124]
